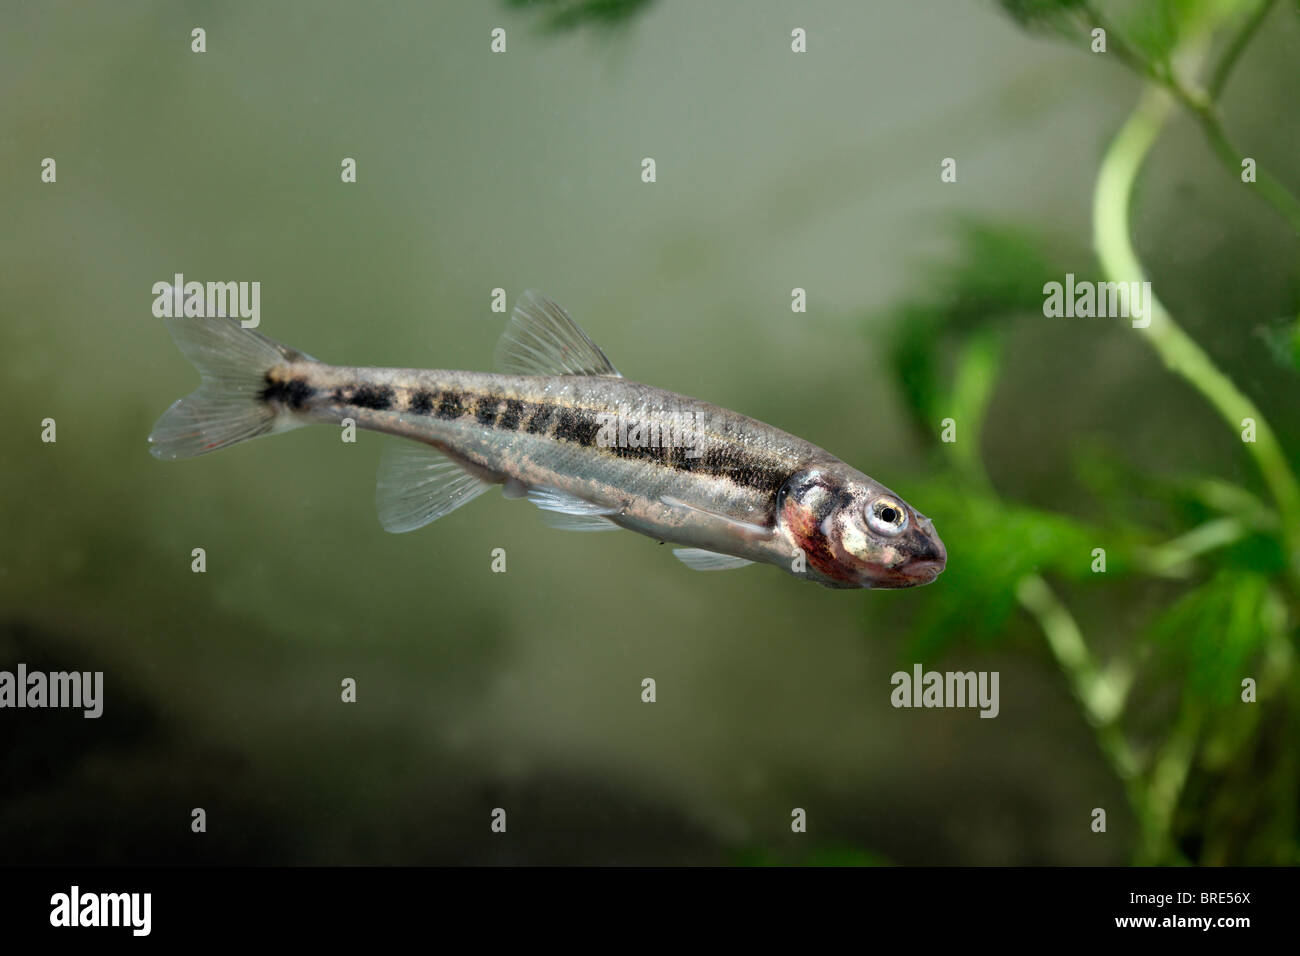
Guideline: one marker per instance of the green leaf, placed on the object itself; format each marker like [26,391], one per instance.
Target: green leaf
[1155,28]
[973,384]
[998,271]
[914,361]
[572,14]
[1283,343]
[992,545]
[1213,633]
[1040,13]
[1151,30]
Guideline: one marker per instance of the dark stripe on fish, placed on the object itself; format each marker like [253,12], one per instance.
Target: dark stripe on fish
[509,419]
[761,472]
[486,410]
[369,396]
[578,425]
[295,393]
[573,425]
[450,405]
[540,420]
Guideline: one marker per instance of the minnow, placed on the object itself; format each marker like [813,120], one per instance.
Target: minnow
[559,425]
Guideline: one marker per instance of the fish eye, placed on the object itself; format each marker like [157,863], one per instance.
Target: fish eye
[886,516]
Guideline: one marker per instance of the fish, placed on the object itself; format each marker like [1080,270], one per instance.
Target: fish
[558,425]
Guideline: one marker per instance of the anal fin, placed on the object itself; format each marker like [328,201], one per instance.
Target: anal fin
[700,560]
[419,484]
[565,522]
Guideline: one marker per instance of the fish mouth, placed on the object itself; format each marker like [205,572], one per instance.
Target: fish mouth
[924,571]
[914,573]
[927,560]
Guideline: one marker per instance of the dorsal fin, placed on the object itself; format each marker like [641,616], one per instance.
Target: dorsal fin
[541,339]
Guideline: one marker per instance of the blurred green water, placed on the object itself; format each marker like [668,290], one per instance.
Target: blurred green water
[521,170]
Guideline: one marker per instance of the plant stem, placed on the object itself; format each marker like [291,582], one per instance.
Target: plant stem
[1235,48]
[1265,186]
[1164,787]
[1174,556]
[1126,53]
[1100,703]
[1180,353]
[1102,699]
[1204,105]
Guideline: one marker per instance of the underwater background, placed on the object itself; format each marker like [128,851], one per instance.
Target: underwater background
[821,170]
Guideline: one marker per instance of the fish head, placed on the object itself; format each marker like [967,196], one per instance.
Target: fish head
[856,533]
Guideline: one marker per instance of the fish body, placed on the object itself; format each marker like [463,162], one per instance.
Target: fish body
[560,426]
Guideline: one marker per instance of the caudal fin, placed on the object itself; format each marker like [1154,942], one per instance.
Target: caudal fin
[228,406]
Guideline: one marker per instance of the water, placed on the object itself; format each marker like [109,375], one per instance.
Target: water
[477,690]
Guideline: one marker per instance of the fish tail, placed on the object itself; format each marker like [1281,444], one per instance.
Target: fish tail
[233,403]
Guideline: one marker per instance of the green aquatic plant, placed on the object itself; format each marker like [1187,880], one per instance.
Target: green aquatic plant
[1212,777]
[559,16]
